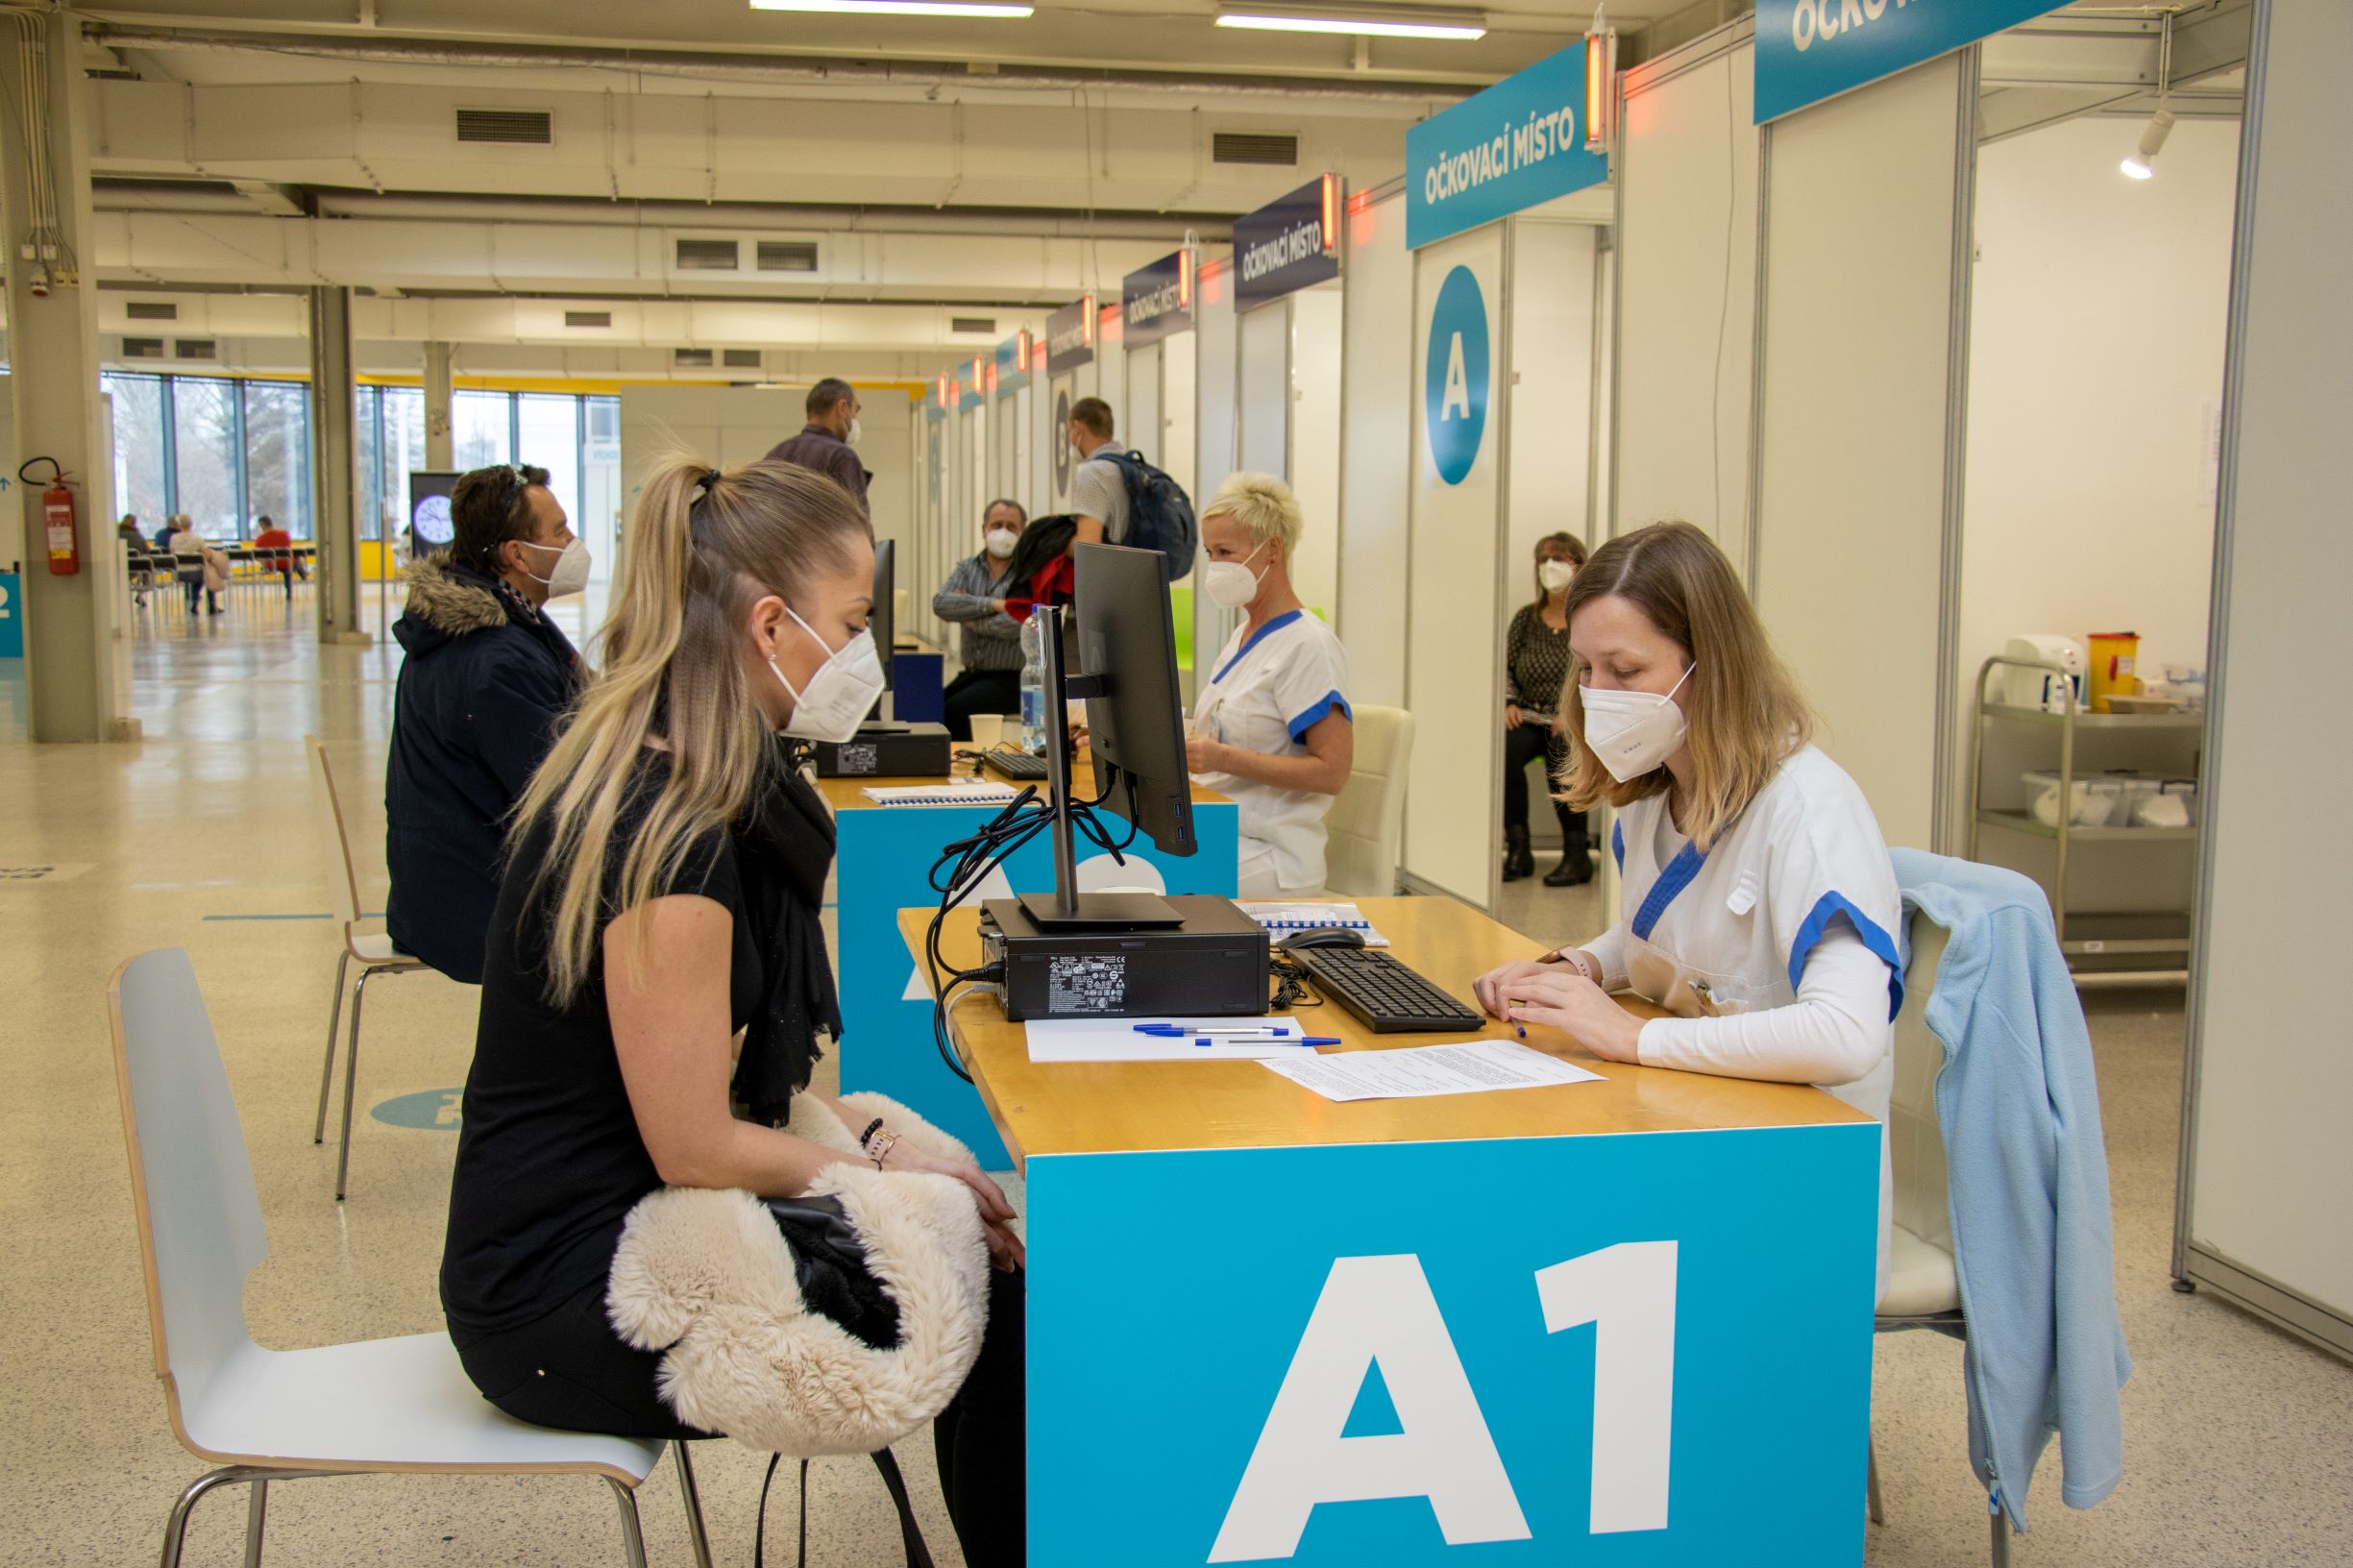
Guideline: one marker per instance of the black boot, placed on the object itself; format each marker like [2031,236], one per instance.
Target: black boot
[1519,860]
[1576,868]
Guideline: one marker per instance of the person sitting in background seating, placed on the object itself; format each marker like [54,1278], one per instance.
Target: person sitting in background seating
[1272,730]
[128,530]
[192,566]
[286,563]
[988,640]
[487,678]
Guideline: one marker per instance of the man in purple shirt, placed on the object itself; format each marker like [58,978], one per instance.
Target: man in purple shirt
[823,445]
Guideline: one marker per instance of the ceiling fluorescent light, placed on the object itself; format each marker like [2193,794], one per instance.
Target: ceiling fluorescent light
[899,8]
[1384,23]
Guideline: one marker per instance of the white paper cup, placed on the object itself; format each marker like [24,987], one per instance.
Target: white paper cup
[987,729]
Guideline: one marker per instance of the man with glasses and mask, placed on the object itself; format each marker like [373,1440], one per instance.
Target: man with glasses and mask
[486,681]
[826,444]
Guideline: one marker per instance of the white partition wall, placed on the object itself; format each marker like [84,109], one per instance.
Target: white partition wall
[1216,433]
[1264,390]
[1453,565]
[1686,275]
[1550,398]
[1856,543]
[1314,472]
[1375,443]
[1136,410]
[1179,377]
[2266,1161]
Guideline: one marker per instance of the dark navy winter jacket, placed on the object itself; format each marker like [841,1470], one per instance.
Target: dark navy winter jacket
[486,682]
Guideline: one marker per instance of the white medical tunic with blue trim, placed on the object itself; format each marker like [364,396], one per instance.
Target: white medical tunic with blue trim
[1267,691]
[1796,902]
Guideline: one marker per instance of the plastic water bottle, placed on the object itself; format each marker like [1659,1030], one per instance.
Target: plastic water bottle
[1033,685]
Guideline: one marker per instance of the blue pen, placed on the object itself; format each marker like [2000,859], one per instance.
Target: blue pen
[1276,1039]
[1174,1031]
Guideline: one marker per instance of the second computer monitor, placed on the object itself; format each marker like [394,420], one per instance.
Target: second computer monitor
[883,620]
[1126,648]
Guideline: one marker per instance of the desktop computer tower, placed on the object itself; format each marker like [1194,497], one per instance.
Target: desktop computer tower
[905,751]
[1214,964]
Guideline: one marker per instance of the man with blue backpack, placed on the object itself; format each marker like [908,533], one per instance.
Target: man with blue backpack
[1120,499]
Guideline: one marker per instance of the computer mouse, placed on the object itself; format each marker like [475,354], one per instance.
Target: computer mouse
[1322,936]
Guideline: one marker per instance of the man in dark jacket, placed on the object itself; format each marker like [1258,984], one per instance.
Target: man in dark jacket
[486,681]
[823,445]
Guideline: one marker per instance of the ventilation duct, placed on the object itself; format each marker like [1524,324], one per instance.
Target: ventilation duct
[152,310]
[740,358]
[195,348]
[983,325]
[787,256]
[588,318]
[708,255]
[1265,149]
[523,127]
[691,359]
[142,348]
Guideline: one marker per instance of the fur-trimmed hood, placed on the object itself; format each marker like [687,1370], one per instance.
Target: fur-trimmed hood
[449,601]
[707,1279]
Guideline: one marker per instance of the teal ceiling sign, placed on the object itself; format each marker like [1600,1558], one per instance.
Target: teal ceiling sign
[1808,50]
[1517,145]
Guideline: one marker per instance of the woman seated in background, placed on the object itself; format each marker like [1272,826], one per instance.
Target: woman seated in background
[193,566]
[988,639]
[1535,667]
[666,875]
[1273,729]
[1764,904]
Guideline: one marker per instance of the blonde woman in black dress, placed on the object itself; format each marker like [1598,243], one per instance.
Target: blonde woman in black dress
[1535,665]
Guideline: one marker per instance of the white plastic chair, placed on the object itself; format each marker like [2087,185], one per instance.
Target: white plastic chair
[377,1406]
[376,955]
[1367,818]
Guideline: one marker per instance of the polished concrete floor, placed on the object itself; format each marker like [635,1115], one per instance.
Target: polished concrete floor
[210,836]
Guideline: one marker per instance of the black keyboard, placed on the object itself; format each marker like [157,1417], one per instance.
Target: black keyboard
[1390,997]
[1018,764]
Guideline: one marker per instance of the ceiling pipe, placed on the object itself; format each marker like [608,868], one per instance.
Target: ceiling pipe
[775,69]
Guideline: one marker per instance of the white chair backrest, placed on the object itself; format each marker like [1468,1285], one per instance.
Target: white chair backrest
[1914,1142]
[192,1181]
[343,834]
[1367,818]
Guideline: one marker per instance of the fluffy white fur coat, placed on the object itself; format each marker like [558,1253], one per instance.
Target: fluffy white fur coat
[706,1277]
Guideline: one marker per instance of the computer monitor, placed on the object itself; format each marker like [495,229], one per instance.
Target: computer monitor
[1124,639]
[883,621]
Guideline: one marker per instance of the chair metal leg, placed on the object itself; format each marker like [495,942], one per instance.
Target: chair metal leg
[256,1510]
[175,1528]
[2002,1535]
[696,1536]
[351,1077]
[1879,1509]
[632,1535]
[334,1019]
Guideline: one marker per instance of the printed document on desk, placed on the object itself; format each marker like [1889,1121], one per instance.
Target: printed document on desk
[1286,920]
[1118,1040]
[1471,1067]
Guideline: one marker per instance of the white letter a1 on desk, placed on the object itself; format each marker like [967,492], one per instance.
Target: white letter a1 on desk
[1373,1311]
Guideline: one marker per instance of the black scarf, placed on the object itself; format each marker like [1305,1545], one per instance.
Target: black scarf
[785,848]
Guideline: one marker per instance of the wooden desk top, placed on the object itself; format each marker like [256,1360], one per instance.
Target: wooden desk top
[1098,1107]
[849,793]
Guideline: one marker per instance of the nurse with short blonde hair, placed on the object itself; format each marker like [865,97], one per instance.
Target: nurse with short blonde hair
[1273,729]
[1761,903]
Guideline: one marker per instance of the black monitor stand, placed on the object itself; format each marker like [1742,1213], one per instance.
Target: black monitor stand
[1065,908]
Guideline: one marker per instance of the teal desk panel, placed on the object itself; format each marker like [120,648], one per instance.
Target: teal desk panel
[1627,1351]
[883,861]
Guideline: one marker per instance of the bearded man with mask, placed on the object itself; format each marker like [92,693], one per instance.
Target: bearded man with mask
[824,444]
[486,682]
[1272,730]
[977,597]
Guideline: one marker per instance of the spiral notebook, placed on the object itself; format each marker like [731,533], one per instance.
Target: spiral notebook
[1282,920]
[938,794]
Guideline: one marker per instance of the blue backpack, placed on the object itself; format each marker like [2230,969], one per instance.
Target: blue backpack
[1160,514]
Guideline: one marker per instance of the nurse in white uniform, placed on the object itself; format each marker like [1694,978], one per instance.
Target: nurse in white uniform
[1761,903]
[1273,729]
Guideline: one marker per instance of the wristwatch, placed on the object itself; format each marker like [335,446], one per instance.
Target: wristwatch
[880,1148]
[1572,957]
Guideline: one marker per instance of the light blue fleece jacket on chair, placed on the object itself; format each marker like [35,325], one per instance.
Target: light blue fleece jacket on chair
[2017,1103]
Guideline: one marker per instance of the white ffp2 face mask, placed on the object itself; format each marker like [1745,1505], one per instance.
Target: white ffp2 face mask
[572,567]
[1632,732]
[839,695]
[1555,575]
[1000,544]
[855,430]
[1232,584]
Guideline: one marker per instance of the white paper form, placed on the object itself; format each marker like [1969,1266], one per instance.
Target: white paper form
[1283,919]
[1116,1040]
[1470,1066]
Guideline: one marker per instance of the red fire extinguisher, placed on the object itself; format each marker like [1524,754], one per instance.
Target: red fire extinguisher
[58,520]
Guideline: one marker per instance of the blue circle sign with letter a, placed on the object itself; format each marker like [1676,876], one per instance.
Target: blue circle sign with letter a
[1454,385]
